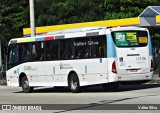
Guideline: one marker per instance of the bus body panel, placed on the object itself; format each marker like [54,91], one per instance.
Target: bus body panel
[132,63]
[55,73]
[133,60]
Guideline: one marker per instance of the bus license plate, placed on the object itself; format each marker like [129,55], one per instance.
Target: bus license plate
[133,70]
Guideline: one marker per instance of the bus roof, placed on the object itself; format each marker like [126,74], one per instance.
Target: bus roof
[88,31]
[126,28]
[80,29]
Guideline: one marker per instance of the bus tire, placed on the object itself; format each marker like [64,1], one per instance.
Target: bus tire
[74,85]
[25,85]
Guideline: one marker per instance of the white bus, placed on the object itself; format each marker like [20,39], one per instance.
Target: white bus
[80,57]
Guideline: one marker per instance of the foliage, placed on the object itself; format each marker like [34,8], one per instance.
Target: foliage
[117,9]
[65,11]
[12,20]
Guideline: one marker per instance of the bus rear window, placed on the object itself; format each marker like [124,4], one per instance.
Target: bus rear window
[130,38]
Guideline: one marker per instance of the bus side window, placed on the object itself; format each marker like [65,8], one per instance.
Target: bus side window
[102,51]
[51,50]
[20,51]
[71,48]
[63,49]
[79,55]
[82,49]
[86,55]
[37,51]
[27,52]
[98,46]
[54,50]
[13,55]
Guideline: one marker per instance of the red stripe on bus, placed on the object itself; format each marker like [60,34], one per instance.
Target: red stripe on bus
[49,38]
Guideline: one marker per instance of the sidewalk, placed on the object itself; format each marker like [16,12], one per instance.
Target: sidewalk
[156,79]
[3,82]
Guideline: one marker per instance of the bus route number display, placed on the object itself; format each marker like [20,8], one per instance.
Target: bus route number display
[132,38]
[143,40]
[126,38]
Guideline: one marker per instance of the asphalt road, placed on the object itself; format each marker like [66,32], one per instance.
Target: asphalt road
[135,94]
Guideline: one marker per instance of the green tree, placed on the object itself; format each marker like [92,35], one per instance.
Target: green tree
[12,15]
[117,9]
[53,12]
[12,21]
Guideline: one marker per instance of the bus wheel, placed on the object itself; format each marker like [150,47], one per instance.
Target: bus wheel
[25,85]
[74,83]
[111,86]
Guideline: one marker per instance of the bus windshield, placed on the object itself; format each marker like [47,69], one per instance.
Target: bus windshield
[130,38]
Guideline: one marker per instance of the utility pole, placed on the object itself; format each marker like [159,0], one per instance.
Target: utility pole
[32,17]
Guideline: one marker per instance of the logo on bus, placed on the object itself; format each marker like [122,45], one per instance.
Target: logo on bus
[121,59]
[89,43]
[65,66]
[28,68]
[122,63]
[140,58]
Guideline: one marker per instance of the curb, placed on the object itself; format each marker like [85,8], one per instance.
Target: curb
[155,80]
